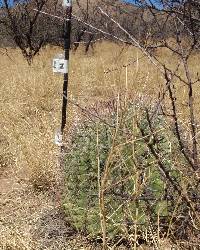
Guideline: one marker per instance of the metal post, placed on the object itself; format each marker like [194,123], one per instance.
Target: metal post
[67,4]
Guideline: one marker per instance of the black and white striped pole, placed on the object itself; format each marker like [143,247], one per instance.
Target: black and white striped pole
[61,65]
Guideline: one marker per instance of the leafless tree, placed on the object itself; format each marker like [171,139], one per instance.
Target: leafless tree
[21,24]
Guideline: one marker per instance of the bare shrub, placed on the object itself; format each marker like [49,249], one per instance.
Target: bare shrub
[179,171]
[123,181]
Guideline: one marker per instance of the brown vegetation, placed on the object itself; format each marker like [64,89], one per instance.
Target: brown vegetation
[30,113]
[156,62]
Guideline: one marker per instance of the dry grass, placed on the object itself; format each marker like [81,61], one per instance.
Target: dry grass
[31,100]
[30,105]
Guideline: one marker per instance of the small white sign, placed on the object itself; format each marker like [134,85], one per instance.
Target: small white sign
[60,65]
[67,3]
[58,138]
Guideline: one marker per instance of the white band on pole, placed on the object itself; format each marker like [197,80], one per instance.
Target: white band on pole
[67,3]
[58,138]
[66,66]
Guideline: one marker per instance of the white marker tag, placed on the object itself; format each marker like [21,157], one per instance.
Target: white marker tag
[67,3]
[58,138]
[66,66]
[60,66]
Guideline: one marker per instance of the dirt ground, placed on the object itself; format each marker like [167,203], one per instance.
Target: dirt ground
[30,220]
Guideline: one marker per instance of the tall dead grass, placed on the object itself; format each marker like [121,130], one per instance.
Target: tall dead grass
[30,101]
